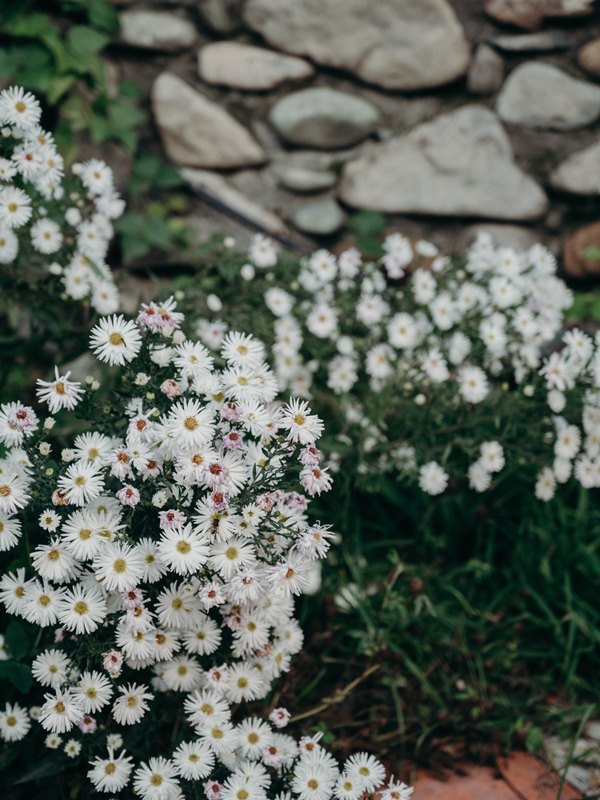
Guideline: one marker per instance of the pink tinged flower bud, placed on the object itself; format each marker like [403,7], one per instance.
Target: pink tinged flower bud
[128,496]
[213,790]
[265,502]
[112,661]
[59,635]
[230,412]
[171,388]
[280,717]
[88,725]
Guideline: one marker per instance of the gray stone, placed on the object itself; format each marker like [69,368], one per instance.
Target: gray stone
[323,118]
[588,57]
[398,44]
[592,729]
[580,173]
[539,95]
[156,30]
[530,14]
[243,66]
[319,219]
[197,132]
[503,235]
[486,71]
[223,16]
[532,42]
[305,180]
[460,164]
[234,200]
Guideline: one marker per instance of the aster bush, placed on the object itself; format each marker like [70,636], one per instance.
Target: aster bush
[443,373]
[461,419]
[152,565]
[55,231]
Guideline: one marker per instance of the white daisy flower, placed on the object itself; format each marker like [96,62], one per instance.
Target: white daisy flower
[59,393]
[81,483]
[115,340]
[130,707]
[14,723]
[119,567]
[15,207]
[193,760]
[110,774]
[61,711]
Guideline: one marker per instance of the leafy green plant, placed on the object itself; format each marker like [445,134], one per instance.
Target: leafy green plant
[55,49]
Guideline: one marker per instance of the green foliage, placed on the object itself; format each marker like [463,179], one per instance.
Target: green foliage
[368,227]
[586,305]
[59,55]
[56,50]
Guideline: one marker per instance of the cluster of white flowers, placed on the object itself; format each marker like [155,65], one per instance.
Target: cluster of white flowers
[60,225]
[169,559]
[419,336]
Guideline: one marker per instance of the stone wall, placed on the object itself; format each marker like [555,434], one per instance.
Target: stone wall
[443,114]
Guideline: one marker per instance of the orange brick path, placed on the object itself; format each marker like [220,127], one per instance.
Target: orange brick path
[518,777]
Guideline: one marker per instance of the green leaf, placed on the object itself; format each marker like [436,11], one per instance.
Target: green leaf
[52,765]
[131,90]
[7,756]
[369,247]
[366,223]
[84,44]
[31,63]
[103,15]
[592,252]
[59,86]
[85,41]
[18,674]
[18,640]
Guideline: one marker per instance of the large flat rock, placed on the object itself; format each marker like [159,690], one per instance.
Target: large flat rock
[460,164]
[197,132]
[539,95]
[243,66]
[398,44]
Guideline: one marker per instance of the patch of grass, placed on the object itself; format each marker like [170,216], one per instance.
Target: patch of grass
[472,625]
